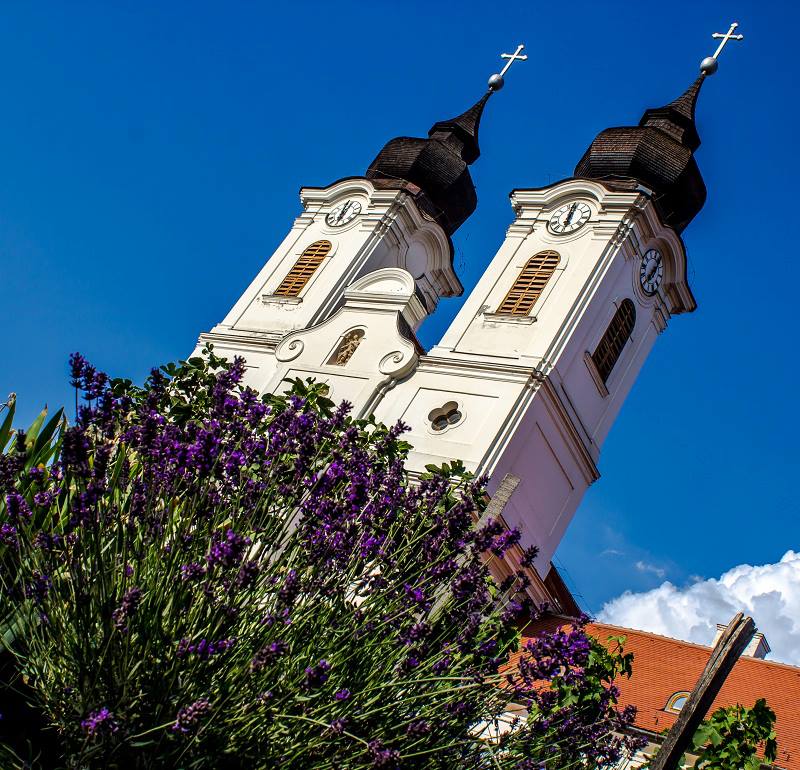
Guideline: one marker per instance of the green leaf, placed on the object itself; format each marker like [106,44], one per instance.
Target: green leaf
[48,431]
[33,431]
[6,427]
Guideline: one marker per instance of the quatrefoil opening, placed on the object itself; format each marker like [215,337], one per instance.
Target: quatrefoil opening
[445,416]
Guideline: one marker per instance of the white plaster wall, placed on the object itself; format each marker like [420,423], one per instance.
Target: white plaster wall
[528,402]
[389,232]
[548,435]
[373,305]
[483,404]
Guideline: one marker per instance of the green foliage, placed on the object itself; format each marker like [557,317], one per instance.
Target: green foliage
[730,738]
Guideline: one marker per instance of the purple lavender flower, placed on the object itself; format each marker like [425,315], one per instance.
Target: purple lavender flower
[416,595]
[227,551]
[383,757]
[17,507]
[76,365]
[203,649]
[504,541]
[529,556]
[99,722]
[200,463]
[338,725]
[189,717]
[8,535]
[43,499]
[192,571]
[488,648]
[247,574]
[418,728]
[317,675]
[266,656]
[130,603]
[38,588]
[290,588]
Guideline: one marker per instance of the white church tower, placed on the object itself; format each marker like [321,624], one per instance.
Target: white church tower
[529,378]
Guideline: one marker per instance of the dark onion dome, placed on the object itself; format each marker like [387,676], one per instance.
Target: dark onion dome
[438,165]
[658,153]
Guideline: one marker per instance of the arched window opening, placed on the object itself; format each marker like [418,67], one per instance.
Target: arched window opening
[345,349]
[303,269]
[530,284]
[618,333]
[677,702]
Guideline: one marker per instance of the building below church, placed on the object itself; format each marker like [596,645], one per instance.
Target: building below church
[666,670]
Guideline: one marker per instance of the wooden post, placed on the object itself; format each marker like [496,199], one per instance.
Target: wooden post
[727,651]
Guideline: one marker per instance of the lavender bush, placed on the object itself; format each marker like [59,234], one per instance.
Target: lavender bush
[194,576]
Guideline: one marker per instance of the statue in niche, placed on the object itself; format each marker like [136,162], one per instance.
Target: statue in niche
[346,348]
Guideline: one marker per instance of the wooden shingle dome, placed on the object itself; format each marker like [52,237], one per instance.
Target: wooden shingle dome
[438,165]
[658,153]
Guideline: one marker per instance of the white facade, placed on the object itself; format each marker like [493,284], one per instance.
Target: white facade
[521,392]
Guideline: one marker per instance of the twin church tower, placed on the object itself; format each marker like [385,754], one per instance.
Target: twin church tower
[530,376]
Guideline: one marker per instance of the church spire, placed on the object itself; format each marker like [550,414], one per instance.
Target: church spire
[685,104]
[659,152]
[438,165]
[677,117]
[461,132]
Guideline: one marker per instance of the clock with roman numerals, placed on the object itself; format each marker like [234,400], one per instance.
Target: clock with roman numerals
[569,218]
[651,271]
[343,213]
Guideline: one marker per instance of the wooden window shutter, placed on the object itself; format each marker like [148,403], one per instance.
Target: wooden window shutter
[529,285]
[303,269]
[613,341]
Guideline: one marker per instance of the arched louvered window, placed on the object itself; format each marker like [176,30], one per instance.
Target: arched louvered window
[529,285]
[617,334]
[303,269]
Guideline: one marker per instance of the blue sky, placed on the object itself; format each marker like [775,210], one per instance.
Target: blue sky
[152,155]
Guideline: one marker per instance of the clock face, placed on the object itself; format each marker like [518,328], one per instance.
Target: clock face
[651,271]
[343,213]
[569,218]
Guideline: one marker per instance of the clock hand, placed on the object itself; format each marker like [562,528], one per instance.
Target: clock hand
[343,212]
[570,214]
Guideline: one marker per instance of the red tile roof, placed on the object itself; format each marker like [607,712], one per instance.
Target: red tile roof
[664,666]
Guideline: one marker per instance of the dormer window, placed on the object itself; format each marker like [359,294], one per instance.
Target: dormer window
[530,284]
[677,702]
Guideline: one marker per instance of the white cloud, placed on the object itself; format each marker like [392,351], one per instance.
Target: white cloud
[769,592]
[643,566]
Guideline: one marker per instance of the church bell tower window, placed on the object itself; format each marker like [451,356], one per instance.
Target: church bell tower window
[617,334]
[529,285]
[303,269]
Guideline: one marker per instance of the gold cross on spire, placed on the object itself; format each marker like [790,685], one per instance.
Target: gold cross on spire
[709,65]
